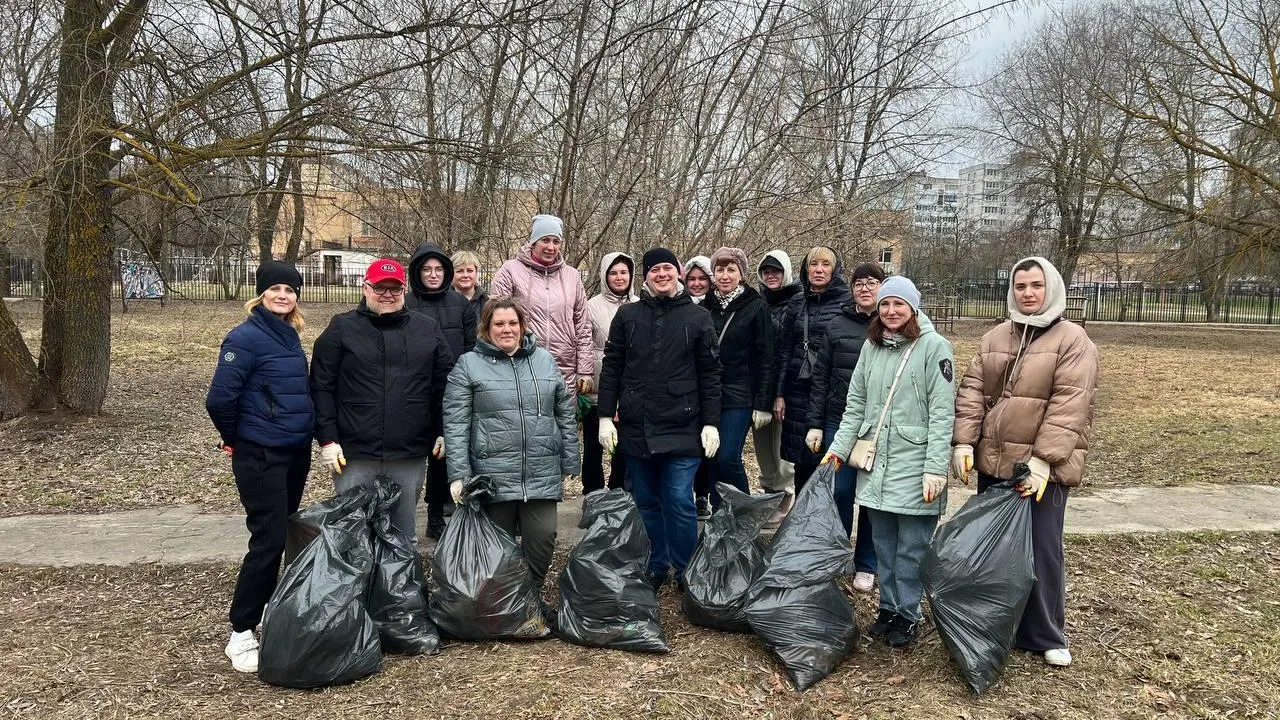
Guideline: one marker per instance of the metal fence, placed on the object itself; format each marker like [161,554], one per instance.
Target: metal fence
[336,278]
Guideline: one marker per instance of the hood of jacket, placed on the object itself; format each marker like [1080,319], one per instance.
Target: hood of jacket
[789,286]
[528,344]
[851,309]
[425,252]
[681,297]
[525,256]
[1055,296]
[608,261]
[837,275]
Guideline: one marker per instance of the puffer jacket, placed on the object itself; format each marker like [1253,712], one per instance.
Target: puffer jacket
[837,357]
[746,350]
[661,376]
[603,307]
[511,418]
[260,390]
[1030,391]
[556,303]
[452,312]
[777,301]
[916,438]
[789,354]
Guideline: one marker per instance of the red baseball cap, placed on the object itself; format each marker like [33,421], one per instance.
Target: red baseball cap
[384,269]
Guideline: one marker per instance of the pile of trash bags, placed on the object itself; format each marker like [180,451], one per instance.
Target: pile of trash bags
[795,606]
[977,576]
[353,589]
[605,596]
[481,587]
[728,559]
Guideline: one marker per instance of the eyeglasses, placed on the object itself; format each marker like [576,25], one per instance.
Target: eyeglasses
[381,291]
[866,284]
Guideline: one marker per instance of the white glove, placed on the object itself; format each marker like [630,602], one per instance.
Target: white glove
[437,452]
[455,489]
[760,418]
[608,435]
[813,439]
[710,440]
[962,462]
[1039,479]
[933,486]
[331,457]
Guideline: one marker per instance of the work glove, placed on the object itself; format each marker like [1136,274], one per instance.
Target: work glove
[1036,483]
[608,435]
[331,457]
[585,385]
[760,418]
[226,449]
[437,452]
[962,462]
[813,440]
[710,440]
[455,489]
[933,486]
[833,459]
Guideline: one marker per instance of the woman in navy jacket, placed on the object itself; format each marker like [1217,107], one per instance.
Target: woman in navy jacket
[260,402]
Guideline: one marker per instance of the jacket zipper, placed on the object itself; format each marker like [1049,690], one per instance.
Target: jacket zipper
[524,489]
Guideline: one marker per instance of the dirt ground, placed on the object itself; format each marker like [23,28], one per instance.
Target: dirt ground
[1178,404]
[1179,626]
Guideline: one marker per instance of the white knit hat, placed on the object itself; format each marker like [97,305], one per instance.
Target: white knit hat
[544,225]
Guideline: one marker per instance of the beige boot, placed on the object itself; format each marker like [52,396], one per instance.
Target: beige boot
[787,501]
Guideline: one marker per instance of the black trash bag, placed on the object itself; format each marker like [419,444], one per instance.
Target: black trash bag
[316,631]
[397,595]
[481,587]
[728,558]
[978,575]
[796,607]
[605,596]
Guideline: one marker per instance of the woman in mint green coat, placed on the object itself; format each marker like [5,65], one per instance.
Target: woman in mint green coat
[907,363]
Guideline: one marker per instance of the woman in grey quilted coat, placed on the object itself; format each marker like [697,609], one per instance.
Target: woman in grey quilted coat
[508,414]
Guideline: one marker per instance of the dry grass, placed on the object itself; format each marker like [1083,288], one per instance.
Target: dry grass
[1178,404]
[1172,626]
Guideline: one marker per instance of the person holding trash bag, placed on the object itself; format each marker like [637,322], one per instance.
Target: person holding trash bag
[509,415]
[616,271]
[744,330]
[896,430]
[804,325]
[661,376]
[260,404]
[377,378]
[1028,396]
[837,357]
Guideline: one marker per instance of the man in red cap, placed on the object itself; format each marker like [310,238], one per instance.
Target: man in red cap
[378,375]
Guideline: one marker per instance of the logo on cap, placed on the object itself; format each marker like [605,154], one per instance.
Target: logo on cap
[388,267]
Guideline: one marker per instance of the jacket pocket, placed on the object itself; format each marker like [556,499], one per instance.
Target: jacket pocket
[864,430]
[914,434]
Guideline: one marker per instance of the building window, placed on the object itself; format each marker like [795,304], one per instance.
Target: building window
[991,210]
[886,255]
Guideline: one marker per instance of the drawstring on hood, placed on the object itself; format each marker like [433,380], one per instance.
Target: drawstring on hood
[1055,296]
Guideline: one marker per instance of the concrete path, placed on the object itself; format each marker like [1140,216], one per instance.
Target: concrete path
[185,534]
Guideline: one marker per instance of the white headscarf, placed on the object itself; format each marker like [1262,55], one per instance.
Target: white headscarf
[1055,296]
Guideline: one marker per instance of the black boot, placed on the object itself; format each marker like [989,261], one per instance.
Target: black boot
[902,633]
[884,621]
[435,526]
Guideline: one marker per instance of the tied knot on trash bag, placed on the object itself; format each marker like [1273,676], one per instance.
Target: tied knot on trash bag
[605,596]
[795,606]
[481,587]
[977,575]
[728,559]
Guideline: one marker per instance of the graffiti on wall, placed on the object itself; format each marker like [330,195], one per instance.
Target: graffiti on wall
[141,281]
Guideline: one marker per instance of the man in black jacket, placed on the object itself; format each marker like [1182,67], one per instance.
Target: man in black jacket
[431,279]
[378,375]
[661,376]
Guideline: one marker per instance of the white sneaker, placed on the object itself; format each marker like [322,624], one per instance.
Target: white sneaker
[242,649]
[864,581]
[1061,657]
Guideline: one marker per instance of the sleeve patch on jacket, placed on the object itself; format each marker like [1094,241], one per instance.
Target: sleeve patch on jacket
[229,357]
[948,371]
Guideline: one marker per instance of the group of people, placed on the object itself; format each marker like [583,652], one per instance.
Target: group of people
[430,381]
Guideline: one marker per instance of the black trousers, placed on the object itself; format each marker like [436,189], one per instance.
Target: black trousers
[593,457]
[270,481]
[702,479]
[1044,622]
[436,493]
[805,467]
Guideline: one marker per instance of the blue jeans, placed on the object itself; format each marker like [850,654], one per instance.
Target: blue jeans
[663,489]
[727,468]
[864,550]
[901,542]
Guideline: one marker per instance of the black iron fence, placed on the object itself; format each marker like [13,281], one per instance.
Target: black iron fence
[337,278]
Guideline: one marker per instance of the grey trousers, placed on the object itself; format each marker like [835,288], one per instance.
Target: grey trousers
[535,522]
[408,474]
[775,473]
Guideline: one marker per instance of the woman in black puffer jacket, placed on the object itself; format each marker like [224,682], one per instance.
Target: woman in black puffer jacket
[803,327]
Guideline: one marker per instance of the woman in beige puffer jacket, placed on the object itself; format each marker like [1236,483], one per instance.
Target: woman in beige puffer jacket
[603,307]
[1028,397]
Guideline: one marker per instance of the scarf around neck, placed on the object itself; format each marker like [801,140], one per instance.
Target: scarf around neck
[725,300]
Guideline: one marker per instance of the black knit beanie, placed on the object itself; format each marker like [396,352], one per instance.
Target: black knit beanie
[274,272]
[657,256]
